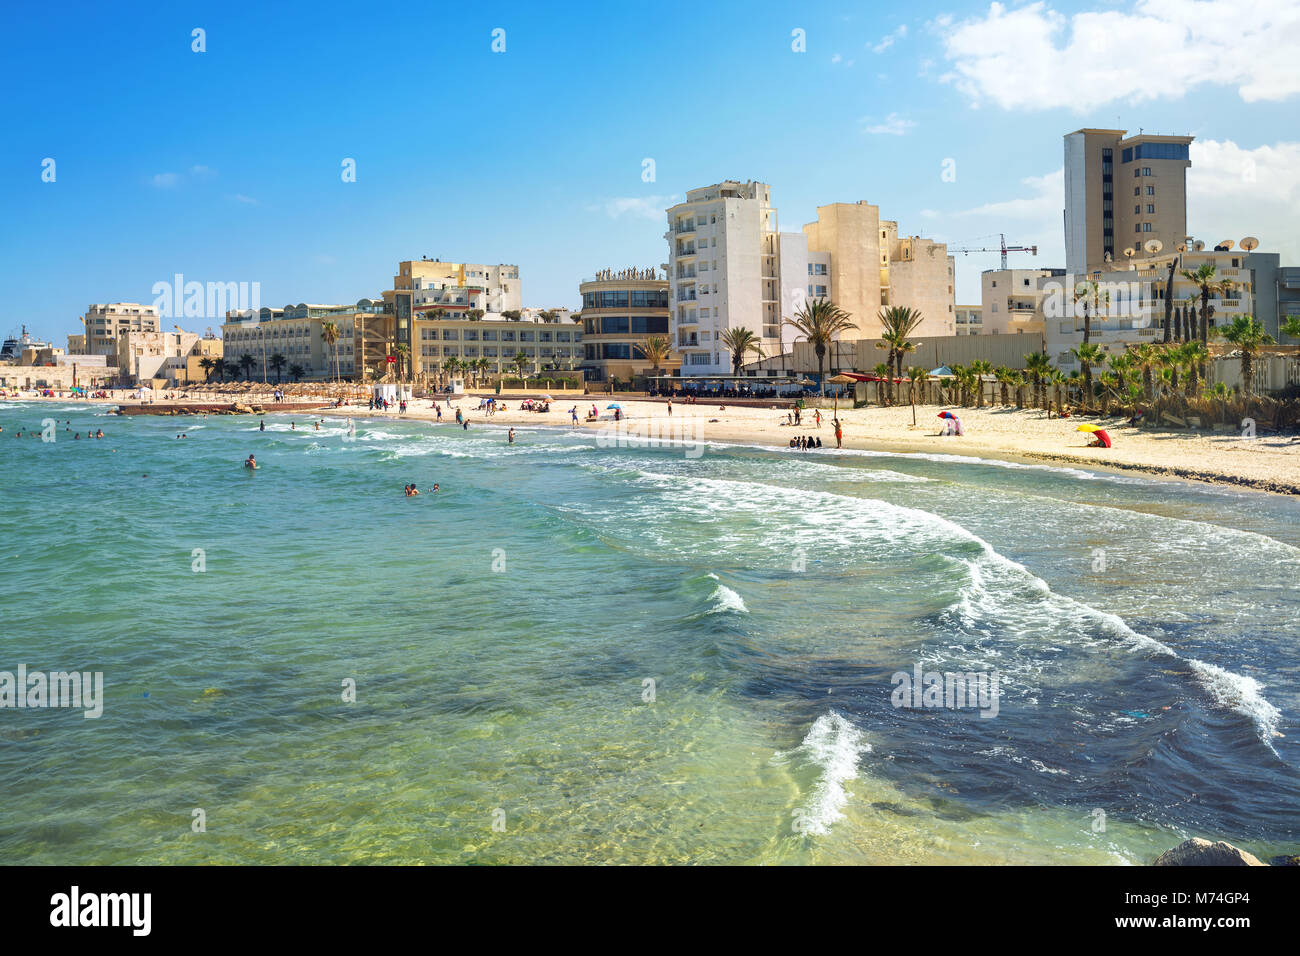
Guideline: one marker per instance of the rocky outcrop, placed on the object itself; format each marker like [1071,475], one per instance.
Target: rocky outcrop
[1198,852]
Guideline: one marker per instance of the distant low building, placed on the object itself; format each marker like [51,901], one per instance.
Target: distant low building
[619,310]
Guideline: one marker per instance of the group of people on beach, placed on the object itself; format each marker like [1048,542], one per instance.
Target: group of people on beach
[805,442]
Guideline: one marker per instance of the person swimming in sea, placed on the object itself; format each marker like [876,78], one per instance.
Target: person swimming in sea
[262,426]
[250,462]
[511,436]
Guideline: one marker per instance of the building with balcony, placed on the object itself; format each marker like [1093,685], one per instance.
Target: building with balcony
[725,271]
[621,309]
[490,346]
[1132,310]
[296,332]
[1012,301]
[105,322]
[969,319]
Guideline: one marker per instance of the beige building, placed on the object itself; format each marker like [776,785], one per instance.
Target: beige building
[1012,301]
[492,344]
[296,334]
[871,267]
[104,323]
[969,319]
[145,356]
[619,310]
[1122,192]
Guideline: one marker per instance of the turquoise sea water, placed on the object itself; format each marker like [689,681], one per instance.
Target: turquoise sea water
[502,634]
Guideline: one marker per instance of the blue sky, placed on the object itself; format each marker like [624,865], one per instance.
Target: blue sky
[225,165]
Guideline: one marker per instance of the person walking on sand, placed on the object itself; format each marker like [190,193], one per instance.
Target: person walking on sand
[573,413]
[839,433]
[670,408]
[817,417]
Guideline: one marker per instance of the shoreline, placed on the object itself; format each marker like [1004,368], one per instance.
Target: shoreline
[1268,465]
[956,447]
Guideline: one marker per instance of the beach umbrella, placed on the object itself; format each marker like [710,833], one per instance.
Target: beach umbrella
[614,405]
[840,380]
[948,415]
[545,398]
[1088,428]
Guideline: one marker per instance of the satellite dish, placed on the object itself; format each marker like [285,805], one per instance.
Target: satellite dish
[1130,252]
[1224,244]
[1198,245]
[1250,243]
[1153,246]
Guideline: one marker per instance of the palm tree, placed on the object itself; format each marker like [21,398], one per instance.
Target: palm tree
[1247,335]
[1056,378]
[521,363]
[1037,364]
[207,364]
[655,350]
[1169,294]
[278,362]
[1018,383]
[819,321]
[403,353]
[981,367]
[1004,376]
[1205,279]
[1146,357]
[738,340]
[246,362]
[296,372]
[1221,393]
[1088,355]
[896,324]
[915,377]
[1194,355]
[882,375]
[329,333]
[1089,293]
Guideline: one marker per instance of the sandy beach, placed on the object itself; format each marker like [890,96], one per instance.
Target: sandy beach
[1266,463]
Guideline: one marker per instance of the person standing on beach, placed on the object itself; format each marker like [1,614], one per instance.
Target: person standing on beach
[839,433]
[817,417]
[670,408]
[573,413]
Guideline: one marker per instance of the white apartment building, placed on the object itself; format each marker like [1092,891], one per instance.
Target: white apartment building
[459,287]
[103,323]
[726,270]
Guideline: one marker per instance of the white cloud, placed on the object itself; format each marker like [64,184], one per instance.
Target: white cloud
[202,172]
[1234,192]
[240,197]
[641,207]
[165,180]
[893,125]
[835,58]
[1046,199]
[1033,57]
[888,39]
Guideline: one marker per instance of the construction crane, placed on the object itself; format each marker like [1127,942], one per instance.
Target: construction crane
[1004,249]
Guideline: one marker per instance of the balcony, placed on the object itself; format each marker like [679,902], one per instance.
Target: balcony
[686,249]
[682,228]
[686,273]
[683,296]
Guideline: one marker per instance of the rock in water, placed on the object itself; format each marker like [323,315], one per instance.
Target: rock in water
[1198,852]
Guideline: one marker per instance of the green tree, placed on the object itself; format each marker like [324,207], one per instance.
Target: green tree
[1247,336]
[819,321]
[739,340]
[329,333]
[897,323]
[278,362]
[1089,355]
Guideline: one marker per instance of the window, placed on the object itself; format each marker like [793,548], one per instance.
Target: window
[1146,170]
[1151,190]
[1151,209]
[1137,209]
[1137,173]
[1026,283]
[1146,227]
[1137,190]
[1137,227]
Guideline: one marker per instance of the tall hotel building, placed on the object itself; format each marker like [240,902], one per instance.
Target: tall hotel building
[1120,193]
[729,267]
